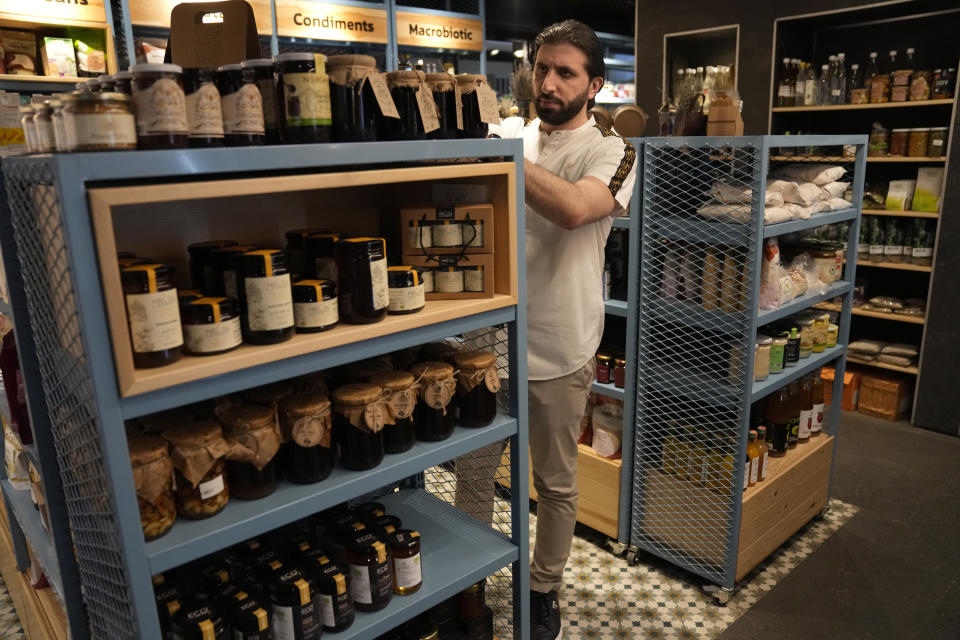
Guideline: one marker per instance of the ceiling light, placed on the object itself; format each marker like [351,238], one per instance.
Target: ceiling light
[518,53]
[494,52]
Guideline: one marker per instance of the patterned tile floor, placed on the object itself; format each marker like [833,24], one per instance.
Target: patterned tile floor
[10,628]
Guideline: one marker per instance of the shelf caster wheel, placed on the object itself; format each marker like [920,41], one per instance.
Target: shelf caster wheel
[616,548]
[721,595]
[633,557]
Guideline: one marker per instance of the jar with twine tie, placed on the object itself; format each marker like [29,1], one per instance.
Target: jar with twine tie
[433,416]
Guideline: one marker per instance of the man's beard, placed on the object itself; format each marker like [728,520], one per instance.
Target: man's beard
[563,113]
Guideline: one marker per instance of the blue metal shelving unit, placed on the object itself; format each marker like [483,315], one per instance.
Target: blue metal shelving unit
[75,380]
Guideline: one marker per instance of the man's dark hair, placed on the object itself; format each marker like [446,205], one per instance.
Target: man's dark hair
[579,35]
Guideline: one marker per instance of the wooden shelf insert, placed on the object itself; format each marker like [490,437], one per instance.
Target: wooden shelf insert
[882,365]
[903,266]
[857,107]
[898,317]
[13,77]
[904,214]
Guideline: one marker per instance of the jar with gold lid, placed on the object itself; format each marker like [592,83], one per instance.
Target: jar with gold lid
[152,479]
[400,398]
[254,439]
[477,387]
[306,425]
[433,415]
[358,422]
[153,314]
[197,450]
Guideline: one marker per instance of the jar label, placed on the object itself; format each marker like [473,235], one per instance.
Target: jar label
[487,101]
[105,129]
[876,249]
[211,338]
[419,237]
[269,302]
[492,380]
[473,231]
[378,280]
[890,250]
[923,252]
[371,584]
[437,395]
[378,82]
[754,469]
[307,97]
[427,277]
[448,281]
[806,421]
[204,117]
[154,321]
[407,298]
[473,280]
[312,431]
[243,111]
[211,488]
[373,416]
[316,314]
[448,235]
[402,403]
[161,108]
[326,611]
[816,424]
[429,115]
[407,572]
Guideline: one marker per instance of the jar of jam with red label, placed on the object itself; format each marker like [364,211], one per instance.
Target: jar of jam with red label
[266,298]
[357,425]
[405,557]
[250,464]
[203,272]
[293,606]
[306,422]
[204,115]
[433,416]
[161,106]
[363,290]
[371,576]
[153,314]
[400,397]
[477,387]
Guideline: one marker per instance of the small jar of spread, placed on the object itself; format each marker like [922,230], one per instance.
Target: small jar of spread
[226,265]
[319,258]
[28,127]
[197,451]
[122,81]
[443,86]
[161,106]
[400,397]
[448,233]
[473,124]
[98,122]
[293,607]
[477,387]
[405,557]
[433,416]
[315,306]
[938,142]
[362,280]
[152,478]
[199,620]
[304,98]
[204,115]
[306,425]
[242,106]
[211,578]
[211,326]
[252,433]
[899,139]
[761,361]
[334,597]
[59,132]
[106,83]
[296,249]
[266,298]
[203,271]
[619,373]
[806,337]
[263,73]
[43,123]
[473,278]
[406,291]
[371,576]
[250,620]
[448,280]
[420,234]
[153,314]
[353,103]
[359,417]
[403,88]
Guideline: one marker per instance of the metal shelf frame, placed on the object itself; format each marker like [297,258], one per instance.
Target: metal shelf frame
[72,385]
[696,362]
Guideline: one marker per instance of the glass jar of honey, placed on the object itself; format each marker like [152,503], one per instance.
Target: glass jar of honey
[357,425]
[405,557]
[315,306]
[400,397]
[433,415]
[252,432]
[153,314]
[266,297]
[211,326]
[363,291]
[477,387]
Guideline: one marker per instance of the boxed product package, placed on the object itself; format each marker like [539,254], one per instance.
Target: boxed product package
[926,197]
[455,277]
[91,56]
[607,421]
[58,58]
[900,195]
[19,52]
[195,42]
[13,142]
[851,388]
[724,118]
[464,228]
[150,50]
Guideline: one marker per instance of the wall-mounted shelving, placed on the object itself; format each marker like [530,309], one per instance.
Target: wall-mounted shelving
[866,107]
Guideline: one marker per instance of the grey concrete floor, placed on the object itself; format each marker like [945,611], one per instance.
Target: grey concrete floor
[893,571]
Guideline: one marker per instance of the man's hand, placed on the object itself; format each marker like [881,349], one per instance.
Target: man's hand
[566,204]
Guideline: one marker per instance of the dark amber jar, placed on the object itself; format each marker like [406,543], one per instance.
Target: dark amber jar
[199,620]
[315,306]
[403,87]
[433,416]
[255,427]
[477,386]
[471,602]
[473,125]
[405,557]
[161,106]
[360,440]
[362,280]
[319,260]
[296,249]
[353,104]
[211,578]
[153,314]
[406,291]
[305,418]
[304,93]
[293,605]
[204,117]
[443,86]
[226,266]
[333,594]
[263,70]
[250,620]
[367,556]
[202,268]
[242,106]
[265,297]
[400,395]
[211,326]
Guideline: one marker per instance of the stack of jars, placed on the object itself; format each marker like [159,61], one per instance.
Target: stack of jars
[791,340]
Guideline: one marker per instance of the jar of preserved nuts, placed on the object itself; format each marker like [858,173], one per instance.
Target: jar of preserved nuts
[43,123]
[263,70]
[371,575]
[161,106]
[254,440]
[406,291]
[197,450]
[293,607]
[619,372]
[152,477]
[242,106]
[400,397]
[98,122]
[305,421]
[443,86]
[226,264]
[296,249]
[473,124]
[477,387]
[363,291]
[319,260]
[359,417]
[250,620]
[153,314]
[211,326]
[204,115]
[315,306]
[199,620]
[266,297]
[333,594]
[433,415]
[403,88]
[405,556]
[203,270]
[352,100]
[304,98]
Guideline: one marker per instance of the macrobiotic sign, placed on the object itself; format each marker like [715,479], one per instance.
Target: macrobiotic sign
[442,32]
[331,22]
[82,10]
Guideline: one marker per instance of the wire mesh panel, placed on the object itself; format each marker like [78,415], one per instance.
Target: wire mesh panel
[69,396]
[700,226]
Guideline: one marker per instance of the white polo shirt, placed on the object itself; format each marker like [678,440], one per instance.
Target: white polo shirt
[565,268]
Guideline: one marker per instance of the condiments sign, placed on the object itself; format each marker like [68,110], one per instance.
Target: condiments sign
[304,19]
[156,13]
[85,10]
[442,32]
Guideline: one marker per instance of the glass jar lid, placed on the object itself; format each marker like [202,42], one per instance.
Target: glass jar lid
[392,380]
[155,68]
[146,449]
[257,62]
[474,360]
[442,81]
[363,246]
[249,417]
[369,546]
[320,243]
[432,371]
[268,394]
[195,620]
[356,394]
[225,256]
[402,277]
[764,340]
[314,290]
[249,616]
[146,275]
[305,404]
[336,62]
[293,586]
[329,578]
[297,57]
[208,310]
[385,525]
[406,78]
[263,261]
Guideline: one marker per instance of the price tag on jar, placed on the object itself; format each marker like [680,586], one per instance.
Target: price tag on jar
[459,109]
[378,82]
[437,395]
[487,99]
[428,110]
[492,380]
[373,415]
[402,403]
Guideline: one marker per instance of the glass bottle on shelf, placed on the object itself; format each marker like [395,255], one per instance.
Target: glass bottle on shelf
[777,417]
[810,87]
[764,450]
[785,86]
[855,81]
[840,98]
[799,83]
[816,425]
[806,409]
[793,403]
[753,458]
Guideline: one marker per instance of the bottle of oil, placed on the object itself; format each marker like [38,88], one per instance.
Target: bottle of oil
[793,401]
[816,427]
[778,422]
[753,457]
[806,410]
[764,450]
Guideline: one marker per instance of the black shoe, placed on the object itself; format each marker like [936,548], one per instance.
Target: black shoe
[545,616]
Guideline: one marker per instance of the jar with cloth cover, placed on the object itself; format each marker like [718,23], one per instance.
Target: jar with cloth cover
[254,440]
[473,124]
[444,87]
[404,86]
[477,387]
[353,103]
[400,399]
[433,415]
[153,478]
[197,450]
[358,421]
[306,427]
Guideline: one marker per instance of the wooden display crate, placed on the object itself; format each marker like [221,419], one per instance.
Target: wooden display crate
[483,213]
[886,396]
[485,260]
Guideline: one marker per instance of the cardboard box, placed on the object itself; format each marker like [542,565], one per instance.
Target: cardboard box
[725,127]
[58,58]
[886,396]
[482,213]
[926,196]
[198,41]
[851,388]
[437,261]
